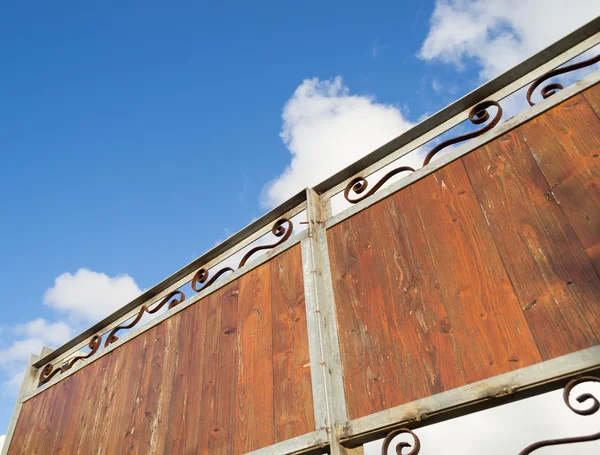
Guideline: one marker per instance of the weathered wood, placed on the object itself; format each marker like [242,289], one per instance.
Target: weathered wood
[491,333]
[547,267]
[425,304]
[396,352]
[291,362]
[565,142]
[200,382]
[254,402]
[592,96]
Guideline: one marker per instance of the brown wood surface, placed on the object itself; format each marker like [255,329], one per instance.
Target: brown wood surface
[558,289]
[204,381]
[477,269]
[565,141]
[423,301]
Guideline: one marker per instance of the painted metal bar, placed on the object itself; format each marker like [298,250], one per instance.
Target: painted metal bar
[524,382]
[254,230]
[310,443]
[314,330]
[326,364]
[470,146]
[498,88]
[157,320]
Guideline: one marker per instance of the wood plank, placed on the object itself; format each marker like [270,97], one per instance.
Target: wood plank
[491,332]
[565,142]
[92,376]
[360,311]
[122,393]
[157,391]
[105,364]
[224,424]
[549,271]
[254,392]
[209,373]
[419,316]
[592,96]
[293,400]
[391,312]
[185,409]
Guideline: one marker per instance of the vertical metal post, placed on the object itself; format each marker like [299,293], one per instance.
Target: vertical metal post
[27,386]
[324,347]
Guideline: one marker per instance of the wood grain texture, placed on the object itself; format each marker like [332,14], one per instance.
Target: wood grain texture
[550,272]
[565,142]
[397,352]
[291,362]
[201,382]
[423,301]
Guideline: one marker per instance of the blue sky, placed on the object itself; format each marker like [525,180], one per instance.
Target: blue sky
[136,135]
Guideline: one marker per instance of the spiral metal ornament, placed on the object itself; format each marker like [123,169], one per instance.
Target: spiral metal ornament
[49,372]
[359,185]
[593,407]
[202,275]
[478,115]
[282,228]
[416,445]
[551,89]
[176,296]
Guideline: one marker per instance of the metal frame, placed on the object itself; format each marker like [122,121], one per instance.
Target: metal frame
[334,433]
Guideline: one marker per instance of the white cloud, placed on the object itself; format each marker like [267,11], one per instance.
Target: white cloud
[32,336]
[51,333]
[2,441]
[325,129]
[498,34]
[90,296]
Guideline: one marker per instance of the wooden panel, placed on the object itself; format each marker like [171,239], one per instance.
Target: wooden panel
[372,263]
[565,141]
[203,381]
[556,285]
[291,363]
[423,301]
[254,404]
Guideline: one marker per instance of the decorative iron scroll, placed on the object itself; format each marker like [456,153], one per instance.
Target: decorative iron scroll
[595,406]
[416,446]
[478,115]
[49,372]
[551,89]
[592,409]
[279,229]
[359,184]
[177,297]
[282,228]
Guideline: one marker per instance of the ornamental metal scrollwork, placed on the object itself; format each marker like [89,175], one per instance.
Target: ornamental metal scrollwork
[592,409]
[282,228]
[359,184]
[594,406]
[416,445]
[177,297]
[551,89]
[48,372]
[478,115]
